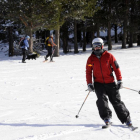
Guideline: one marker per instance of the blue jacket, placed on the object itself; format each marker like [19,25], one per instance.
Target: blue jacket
[26,44]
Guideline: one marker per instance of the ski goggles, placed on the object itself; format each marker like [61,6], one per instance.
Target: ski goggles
[97,44]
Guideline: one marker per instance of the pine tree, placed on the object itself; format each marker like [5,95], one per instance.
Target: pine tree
[34,14]
[50,14]
[76,11]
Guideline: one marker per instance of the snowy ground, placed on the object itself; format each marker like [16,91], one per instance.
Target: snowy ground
[39,101]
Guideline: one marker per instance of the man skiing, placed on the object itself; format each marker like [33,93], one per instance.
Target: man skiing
[100,65]
[50,48]
[25,48]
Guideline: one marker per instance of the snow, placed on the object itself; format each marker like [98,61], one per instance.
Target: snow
[104,33]
[39,101]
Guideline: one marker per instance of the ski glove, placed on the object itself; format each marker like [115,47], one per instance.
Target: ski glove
[119,85]
[91,87]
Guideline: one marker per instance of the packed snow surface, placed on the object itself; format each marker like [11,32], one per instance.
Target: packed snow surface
[39,101]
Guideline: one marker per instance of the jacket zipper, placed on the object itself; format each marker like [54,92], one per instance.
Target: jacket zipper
[101,71]
[93,72]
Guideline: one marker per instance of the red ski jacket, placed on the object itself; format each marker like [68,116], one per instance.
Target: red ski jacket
[101,69]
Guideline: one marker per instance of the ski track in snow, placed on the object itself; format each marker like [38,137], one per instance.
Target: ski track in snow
[68,133]
[39,101]
[53,135]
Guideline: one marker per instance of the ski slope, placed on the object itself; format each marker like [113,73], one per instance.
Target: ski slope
[39,101]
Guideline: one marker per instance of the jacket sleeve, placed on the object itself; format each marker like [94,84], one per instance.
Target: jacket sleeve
[26,44]
[89,70]
[116,68]
[53,44]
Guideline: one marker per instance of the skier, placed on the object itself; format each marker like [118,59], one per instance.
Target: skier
[25,48]
[46,43]
[50,48]
[101,64]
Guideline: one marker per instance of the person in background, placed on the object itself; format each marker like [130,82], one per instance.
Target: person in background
[100,66]
[46,42]
[50,44]
[25,48]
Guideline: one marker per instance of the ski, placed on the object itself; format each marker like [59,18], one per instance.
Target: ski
[132,128]
[48,61]
[106,126]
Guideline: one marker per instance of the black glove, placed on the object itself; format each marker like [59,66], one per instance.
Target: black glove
[119,85]
[91,87]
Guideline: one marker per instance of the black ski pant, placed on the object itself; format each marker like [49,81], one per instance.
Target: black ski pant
[49,53]
[24,53]
[109,90]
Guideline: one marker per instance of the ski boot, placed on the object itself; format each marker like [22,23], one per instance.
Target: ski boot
[128,123]
[45,58]
[23,61]
[108,123]
[130,126]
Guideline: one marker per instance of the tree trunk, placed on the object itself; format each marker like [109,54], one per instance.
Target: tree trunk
[116,34]
[125,25]
[78,33]
[64,45]
[124,34]
[131,27]
[127,37]
[109,36]
[109,29]
[67,46]
[98,30]
[131,39]
[92,37]
[11,49]
[138,41]
[57,39]
[31,40]
[29,33]
[75,37]
[134,38]
[84,41]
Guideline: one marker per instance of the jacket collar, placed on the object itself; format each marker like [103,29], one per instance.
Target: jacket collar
[104,51]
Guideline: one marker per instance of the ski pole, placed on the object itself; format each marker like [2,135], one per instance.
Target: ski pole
[82,105]
[132,89]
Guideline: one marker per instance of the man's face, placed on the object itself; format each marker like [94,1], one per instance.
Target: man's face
[97,48]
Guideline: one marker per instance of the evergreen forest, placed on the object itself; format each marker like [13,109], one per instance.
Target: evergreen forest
[84,19]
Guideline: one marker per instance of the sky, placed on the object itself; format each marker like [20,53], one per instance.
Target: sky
[39,101]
